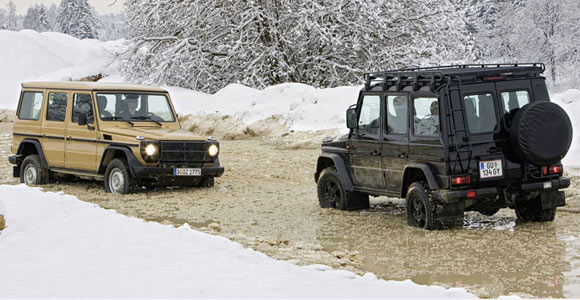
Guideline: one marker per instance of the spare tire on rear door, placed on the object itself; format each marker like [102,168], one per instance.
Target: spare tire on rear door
[541,133]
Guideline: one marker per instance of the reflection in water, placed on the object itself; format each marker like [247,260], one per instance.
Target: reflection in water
[491,258]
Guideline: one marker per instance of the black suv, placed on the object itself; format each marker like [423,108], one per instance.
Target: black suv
[451,139]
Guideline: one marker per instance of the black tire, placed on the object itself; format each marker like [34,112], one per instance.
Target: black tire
[331,194]
[421,211]
[488,211]
[531,211]
[32,172]
[541,133]
[118,180]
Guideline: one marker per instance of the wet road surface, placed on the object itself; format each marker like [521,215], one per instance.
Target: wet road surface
[266,200]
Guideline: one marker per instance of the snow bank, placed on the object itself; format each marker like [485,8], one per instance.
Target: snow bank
[57,246]
[570,101]
[302,107]
[31,56]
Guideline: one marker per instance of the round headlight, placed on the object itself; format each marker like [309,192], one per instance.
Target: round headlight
[150,149]
[213,150]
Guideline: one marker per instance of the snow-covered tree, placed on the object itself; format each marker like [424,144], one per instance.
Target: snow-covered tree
[12,18]
[51,16]
[113,27]
[77,18]
[3,19]
[537,31]
[208,44]
[36,18]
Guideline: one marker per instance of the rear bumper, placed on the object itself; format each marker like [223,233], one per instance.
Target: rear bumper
[447,196]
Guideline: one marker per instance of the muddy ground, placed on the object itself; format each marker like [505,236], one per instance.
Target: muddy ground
[266,200]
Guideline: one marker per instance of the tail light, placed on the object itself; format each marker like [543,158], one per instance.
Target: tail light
[461,180]
[557,169]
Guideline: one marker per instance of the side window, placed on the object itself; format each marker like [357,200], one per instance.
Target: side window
[370,114]
[426,116]
[82,104]
[397,114]
[480,113]
[56,108]
[512,101]
[30,106]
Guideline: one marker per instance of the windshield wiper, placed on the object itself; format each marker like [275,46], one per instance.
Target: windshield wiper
[144,118]
[117,119]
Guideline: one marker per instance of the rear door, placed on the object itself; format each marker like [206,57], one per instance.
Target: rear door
[395,146]
[365,145]
[54,127]
[482,107]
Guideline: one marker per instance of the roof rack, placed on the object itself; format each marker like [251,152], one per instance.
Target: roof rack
[436,77]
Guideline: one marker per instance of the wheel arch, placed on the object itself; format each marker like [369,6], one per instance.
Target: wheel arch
[115,151]
[326,160]
[415,172]
[31,146]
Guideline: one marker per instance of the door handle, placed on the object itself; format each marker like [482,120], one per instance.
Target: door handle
[375,153]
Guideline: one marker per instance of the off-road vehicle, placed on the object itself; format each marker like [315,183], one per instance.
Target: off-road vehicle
[448,140]
[126,135]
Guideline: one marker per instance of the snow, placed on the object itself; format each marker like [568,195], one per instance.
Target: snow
[55,245]
[570,101]
[31,56]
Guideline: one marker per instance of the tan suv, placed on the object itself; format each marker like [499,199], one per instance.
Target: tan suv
[126,135]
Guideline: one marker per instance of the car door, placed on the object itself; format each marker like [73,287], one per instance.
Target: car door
[365,144]
[53,127]
[395,140]
[81,146]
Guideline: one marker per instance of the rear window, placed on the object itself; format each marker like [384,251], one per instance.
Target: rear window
[480,113]
[512,102]
[30,106]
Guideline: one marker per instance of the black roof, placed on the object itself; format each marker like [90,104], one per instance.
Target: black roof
[435,77]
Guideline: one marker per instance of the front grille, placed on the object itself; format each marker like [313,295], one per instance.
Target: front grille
[183,151]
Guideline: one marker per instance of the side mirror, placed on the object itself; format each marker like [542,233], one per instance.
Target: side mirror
[83,118]
[351,121]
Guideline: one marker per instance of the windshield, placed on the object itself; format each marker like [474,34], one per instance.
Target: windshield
[134,107]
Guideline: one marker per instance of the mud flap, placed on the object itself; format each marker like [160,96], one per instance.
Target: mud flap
[552,199]
[16,171]
[357,201]
[451,214]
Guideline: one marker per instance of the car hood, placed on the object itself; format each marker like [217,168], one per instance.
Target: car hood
[156,133]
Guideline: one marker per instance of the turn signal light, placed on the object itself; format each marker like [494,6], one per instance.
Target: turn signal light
[461,180]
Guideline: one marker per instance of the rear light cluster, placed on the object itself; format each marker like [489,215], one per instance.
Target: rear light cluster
[461,180]
[552,170]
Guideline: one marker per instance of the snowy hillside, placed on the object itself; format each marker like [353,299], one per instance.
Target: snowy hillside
[89,252]
[30,56]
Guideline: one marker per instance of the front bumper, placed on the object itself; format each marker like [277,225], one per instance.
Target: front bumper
[156,172]
[448,196]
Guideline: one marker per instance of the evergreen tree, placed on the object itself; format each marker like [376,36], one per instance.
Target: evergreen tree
[51,16]
[12,18]
[36,18]
[3,19]
[77,18]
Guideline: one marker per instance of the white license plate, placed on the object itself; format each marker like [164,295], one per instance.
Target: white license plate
[490,168]
[187,171]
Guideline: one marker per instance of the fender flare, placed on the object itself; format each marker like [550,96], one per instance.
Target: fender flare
[131,159]
[38,147]
[340,166]
[427,172]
